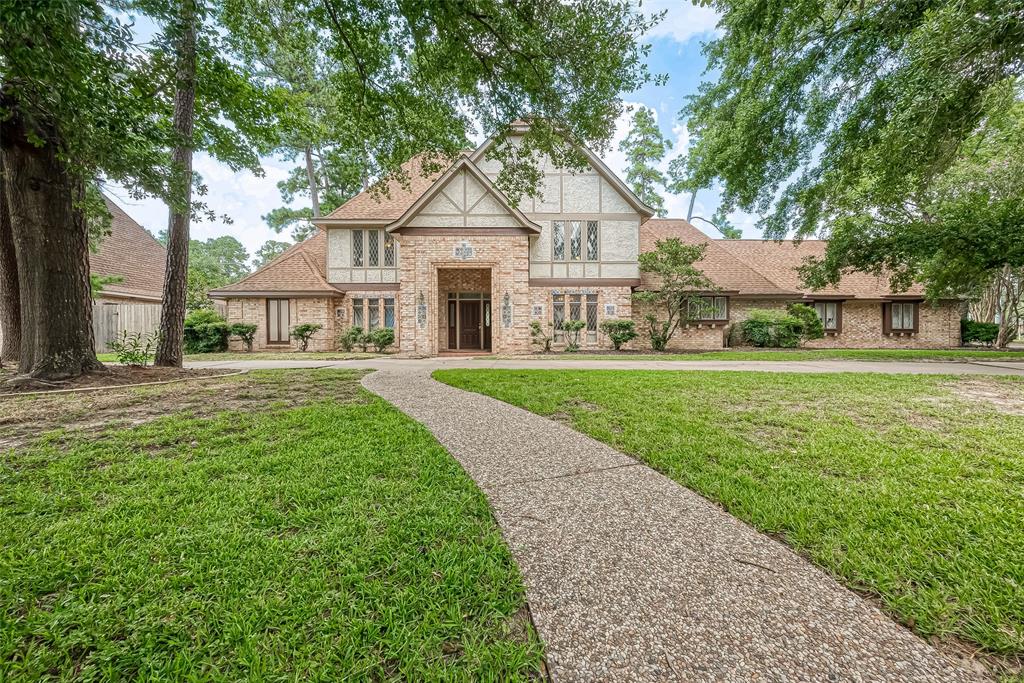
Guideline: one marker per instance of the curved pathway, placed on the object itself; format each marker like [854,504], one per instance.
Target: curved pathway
[632,577]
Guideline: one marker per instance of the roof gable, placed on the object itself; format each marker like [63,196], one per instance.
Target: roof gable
[131,253]
[384,203]
[463,198]
[299,269]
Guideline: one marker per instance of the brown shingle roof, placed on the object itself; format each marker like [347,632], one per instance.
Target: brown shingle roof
[778,261]
[130,252]
[760,267]
[393,202]
[300,269]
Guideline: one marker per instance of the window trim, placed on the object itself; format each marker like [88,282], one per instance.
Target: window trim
[887,327]
[563,228]
[288,309]
[706,321]
[838,329]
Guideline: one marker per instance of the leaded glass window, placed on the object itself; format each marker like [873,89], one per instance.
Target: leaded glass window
[357,313]
[389,312]
[506,311]
[558,240]
[373,248]
[591,240]
[575,240]
[592,318]
[357,248]
[575,306]
[558,314]
[389,251]
[373,308]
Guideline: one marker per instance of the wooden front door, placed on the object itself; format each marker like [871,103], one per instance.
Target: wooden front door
[469,325]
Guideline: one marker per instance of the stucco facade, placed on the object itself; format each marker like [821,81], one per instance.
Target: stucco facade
[455,266]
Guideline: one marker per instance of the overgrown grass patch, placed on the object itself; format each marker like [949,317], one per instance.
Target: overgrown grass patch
[900,485]
[332,539]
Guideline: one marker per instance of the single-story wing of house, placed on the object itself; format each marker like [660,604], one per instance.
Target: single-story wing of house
[452,265]
[132,254]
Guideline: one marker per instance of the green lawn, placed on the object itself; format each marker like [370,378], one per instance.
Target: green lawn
[264,355]
[908,487]
[801,355]
[273,526]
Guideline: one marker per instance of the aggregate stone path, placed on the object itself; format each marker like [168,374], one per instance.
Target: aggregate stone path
[632,577]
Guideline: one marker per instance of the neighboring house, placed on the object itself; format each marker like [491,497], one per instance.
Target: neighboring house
[133,254]
[453,266]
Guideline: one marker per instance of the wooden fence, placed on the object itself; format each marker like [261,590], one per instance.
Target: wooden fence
[110,320]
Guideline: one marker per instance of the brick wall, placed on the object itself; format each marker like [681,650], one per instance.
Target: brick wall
[694,337]
[300,310]
[620,297]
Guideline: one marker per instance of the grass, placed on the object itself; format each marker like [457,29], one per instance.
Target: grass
[315,533]
[803,355]
[906,487]
[264,355]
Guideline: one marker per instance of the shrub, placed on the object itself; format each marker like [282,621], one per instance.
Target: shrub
[811,326]
[135,349]
[205,332]
[538,335]
[572,334]
[353,337]
[304,332]
[382,338]
[244,331]
[772,329]
[973,332]
[619,331]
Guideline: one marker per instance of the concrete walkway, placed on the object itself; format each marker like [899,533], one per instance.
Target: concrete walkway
[631,577]
[427,364]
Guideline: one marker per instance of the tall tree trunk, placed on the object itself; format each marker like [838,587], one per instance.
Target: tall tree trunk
[314,191]
[10,302]
[51,245]
[172,314]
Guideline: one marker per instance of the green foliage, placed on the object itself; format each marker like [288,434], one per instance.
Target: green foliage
[772,328]
[244,331]
[214,263]
[304,332]
[382,338]
[538,337]
[135,349]
[98,282]
[811,326]
[973,332]
[269,251]
[720,220]
[572,328]
[205,332]
[678,283]
[645,147]
[894,127]
[619,331]
[351,338]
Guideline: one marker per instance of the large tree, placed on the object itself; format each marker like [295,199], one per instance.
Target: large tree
[269,251]
[645,147]
[214,263]
[843,118]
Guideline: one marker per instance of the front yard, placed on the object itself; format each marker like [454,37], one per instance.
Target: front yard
[908,488]
[804,355]
[264,355]
[281,525]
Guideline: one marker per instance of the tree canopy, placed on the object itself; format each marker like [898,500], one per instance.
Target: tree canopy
[269,251]
[856,120]
[645,147]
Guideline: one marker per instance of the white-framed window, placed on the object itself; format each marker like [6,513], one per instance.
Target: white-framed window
[711,308]
[828,311]
[575,240]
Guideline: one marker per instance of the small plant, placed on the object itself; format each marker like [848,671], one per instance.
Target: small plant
[382,338]
[572,334]
[244,331]
[539,337]
[205,332]
[304,332]
[619,331]
[973,332]
[350,338]
[135,350]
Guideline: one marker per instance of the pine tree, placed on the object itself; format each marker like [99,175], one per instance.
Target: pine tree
[645,147]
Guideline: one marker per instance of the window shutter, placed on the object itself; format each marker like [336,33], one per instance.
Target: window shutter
[886,318]
[839,317]
[917,316]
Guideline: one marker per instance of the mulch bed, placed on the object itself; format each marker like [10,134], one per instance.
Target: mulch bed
[110,376]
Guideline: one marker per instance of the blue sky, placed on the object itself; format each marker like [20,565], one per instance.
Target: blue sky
[676,51]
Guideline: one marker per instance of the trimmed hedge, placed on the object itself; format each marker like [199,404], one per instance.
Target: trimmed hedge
[205,332]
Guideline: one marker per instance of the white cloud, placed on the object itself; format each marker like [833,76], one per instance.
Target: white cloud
[683,20]
[240,195]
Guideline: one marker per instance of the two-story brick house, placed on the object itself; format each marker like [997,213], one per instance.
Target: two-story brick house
[453,266]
